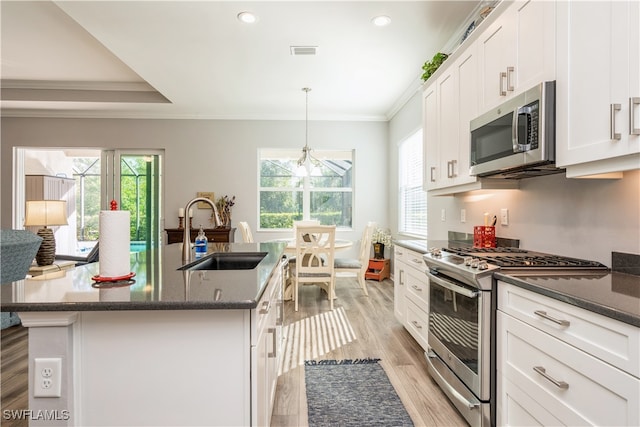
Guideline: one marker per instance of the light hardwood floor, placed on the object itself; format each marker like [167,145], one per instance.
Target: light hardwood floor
[359,327]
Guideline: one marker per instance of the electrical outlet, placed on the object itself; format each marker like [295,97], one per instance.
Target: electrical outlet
[504,216]
[47,379]
[443,215]
[463,215]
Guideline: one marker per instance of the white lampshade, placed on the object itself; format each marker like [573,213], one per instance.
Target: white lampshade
[46,212]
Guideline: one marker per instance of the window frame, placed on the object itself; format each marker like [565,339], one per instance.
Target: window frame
[419,229]
[306,189]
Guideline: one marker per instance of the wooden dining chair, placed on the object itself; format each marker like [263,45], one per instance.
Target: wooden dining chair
[358,265]
[247,236]
[315,250]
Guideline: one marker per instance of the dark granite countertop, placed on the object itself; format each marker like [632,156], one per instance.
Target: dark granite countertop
[159,285]
[615,295]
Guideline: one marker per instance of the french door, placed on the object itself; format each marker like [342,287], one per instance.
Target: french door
[133,179]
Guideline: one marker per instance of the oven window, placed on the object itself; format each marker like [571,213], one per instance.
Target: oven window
[453,320]
[492,141]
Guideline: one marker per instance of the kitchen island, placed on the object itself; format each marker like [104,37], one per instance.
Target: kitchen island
[174,348]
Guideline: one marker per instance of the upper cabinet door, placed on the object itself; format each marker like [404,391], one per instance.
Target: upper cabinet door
[430,137]
[517,51]
[598,82]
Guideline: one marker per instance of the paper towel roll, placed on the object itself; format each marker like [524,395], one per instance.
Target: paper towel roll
[114,244]
[122,293]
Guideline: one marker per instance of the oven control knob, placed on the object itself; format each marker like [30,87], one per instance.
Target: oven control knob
[435,252]
[468,260]
[475,263]
[482,265]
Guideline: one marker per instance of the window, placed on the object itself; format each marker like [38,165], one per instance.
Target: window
[326,194]
[413,199]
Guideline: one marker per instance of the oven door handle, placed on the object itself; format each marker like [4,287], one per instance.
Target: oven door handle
[452,287]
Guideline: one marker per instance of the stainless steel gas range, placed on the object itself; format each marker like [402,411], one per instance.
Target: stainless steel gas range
[462,311]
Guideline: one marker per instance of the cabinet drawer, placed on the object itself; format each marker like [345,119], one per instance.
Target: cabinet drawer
[417,323]
[517,408]
[417,288]
[410,258]
[591,392]
[614,342]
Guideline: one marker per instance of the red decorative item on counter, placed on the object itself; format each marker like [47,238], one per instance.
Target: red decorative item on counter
[484,236]
[114,205]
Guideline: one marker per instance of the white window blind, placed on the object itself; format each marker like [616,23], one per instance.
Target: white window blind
[413,200]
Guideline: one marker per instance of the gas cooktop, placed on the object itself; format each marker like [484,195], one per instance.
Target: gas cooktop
[508,258]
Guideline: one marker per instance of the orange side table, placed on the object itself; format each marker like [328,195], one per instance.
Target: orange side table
[379,269]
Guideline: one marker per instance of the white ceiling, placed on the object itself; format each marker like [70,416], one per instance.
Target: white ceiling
[194,59]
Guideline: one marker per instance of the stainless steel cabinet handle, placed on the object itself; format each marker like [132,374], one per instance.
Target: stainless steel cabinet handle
[633,102]
[451,168]
[272,331]
[510,71]
[544,315]
[433,169]
[560,384]
[417,261]
[417,288]
[612,120]
[503,77]
[402,277]
[416,324]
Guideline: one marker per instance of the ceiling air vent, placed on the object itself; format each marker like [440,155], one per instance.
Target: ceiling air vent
[303,50]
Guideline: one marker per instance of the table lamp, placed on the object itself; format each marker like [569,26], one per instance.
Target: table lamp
[46,213]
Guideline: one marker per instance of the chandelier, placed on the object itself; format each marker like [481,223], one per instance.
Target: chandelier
[307,164]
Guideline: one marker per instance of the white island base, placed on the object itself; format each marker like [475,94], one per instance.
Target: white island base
[145,368]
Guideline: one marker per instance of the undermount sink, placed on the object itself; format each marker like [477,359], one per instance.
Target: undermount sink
[227,261]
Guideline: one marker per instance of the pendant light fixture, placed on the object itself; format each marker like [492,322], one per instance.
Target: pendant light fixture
[307,164]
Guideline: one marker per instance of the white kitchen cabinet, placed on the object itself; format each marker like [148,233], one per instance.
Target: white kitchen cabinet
[598,98]
[517,50]
[450,103]
[268,349]
[399,284]
[411,294]
[430,137]
[558,364]
[45,187]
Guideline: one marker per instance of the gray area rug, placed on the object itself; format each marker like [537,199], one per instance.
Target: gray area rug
[352,393]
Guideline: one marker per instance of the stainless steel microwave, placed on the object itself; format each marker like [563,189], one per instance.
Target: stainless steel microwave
[517,139]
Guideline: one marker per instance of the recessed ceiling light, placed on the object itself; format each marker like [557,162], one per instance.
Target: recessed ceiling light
[247,17]
[381,21]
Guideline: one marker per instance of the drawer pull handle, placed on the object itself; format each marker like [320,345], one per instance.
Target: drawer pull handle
[416,324]
[560,384]
[416,288]
[503,77]
[544,315]
[417,261]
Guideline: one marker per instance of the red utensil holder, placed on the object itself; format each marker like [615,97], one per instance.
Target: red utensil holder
[484,236]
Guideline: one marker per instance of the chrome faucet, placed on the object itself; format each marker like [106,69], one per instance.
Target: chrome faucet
[186,240]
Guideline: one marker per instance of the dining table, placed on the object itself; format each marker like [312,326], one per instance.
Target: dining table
[290,249]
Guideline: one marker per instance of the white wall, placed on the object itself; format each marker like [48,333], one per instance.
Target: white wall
[583,218]
[213,155]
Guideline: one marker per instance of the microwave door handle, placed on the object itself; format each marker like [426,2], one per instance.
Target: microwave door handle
[519,147]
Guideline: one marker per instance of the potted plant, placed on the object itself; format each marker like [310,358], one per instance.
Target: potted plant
[379,239]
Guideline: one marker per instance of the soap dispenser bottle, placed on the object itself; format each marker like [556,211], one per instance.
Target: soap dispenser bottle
[201,244]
